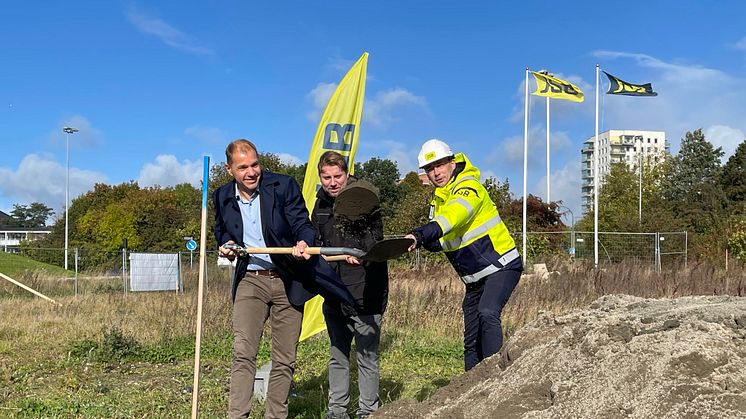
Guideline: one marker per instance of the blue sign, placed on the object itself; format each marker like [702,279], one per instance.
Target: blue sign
[191,245]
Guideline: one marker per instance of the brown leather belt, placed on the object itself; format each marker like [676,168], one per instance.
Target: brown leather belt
[271,273]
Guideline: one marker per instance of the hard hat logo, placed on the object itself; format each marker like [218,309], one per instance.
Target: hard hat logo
[433,150]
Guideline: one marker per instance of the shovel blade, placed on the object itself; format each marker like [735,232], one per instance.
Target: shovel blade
[388,249]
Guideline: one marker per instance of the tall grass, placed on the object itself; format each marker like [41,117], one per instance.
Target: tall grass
[107,353]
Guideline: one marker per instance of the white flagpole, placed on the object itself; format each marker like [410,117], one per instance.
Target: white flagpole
[596,173]
[525,165]
[549,195]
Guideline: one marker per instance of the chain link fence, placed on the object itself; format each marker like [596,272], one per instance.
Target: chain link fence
[660,250]
[94,271]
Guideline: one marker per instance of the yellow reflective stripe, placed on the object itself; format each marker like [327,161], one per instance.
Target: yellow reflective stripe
[444,224]
[472,234]
[468,279]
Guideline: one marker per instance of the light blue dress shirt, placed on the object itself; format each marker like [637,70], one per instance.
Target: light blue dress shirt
[252,230]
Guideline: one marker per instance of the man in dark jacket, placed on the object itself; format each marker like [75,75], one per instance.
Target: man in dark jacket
[366,281]
[263,209]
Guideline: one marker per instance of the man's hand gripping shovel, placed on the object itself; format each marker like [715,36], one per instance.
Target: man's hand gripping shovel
[381,251]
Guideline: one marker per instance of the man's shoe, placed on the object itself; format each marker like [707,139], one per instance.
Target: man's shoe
[333,415]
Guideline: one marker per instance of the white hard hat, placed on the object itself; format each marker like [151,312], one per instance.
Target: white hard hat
[433,150]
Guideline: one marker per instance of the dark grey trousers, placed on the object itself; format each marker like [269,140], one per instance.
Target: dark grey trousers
[366,330]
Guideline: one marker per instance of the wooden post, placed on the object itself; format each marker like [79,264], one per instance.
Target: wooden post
[200,288]
[6,277]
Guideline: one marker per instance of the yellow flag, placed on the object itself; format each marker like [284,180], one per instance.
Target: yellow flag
[338,131]
[553,87]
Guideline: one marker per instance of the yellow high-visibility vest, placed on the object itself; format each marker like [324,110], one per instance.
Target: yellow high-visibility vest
[475,239]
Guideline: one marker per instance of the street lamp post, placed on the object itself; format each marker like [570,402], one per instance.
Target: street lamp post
[67,131]
[639,169]
[572,229]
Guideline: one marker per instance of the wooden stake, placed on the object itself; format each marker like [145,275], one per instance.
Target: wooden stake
[6,277]
[200,288]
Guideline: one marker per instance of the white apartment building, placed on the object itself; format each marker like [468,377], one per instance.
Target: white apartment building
[616,146]
[10,238]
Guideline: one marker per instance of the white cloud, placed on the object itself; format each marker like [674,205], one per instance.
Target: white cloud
[290,159]
[690,96]
[320,96]
[565,187]
[41,179]
[510,150]
[741,44]
[399,152]
[340,64]
[168,171]
[208,135]
[380,111]
[726,137]
[166,33]
[87,136]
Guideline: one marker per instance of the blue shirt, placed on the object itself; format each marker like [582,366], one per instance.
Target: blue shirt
[252,230]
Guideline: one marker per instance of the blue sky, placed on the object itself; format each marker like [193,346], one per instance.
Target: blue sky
[153,86]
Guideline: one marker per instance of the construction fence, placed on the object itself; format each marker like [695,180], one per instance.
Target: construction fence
[95,272]
[660,250]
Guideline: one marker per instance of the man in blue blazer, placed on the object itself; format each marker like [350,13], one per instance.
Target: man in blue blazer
[264,209]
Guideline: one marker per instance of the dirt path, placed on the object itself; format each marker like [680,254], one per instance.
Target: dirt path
[622,357]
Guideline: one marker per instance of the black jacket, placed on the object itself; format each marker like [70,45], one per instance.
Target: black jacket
[284,222]
[368,283]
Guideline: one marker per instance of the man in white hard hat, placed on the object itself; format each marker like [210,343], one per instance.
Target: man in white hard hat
[465,224]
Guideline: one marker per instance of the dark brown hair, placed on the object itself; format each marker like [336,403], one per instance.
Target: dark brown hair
[332,158]
[240,145]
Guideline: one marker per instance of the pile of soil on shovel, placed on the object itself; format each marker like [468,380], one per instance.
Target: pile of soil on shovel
[621,357]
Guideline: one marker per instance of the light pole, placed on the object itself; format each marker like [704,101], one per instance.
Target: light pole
[639,168]
[67,131]
[572,229]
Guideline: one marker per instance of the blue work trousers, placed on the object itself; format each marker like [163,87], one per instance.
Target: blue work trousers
[483,304]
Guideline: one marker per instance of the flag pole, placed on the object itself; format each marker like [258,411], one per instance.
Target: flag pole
[200,288]
[525,164]
[549,195]
[596,173]
[639,167]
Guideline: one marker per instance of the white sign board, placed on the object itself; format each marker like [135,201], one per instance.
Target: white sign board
[154,271]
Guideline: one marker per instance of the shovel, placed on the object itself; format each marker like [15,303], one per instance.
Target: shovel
[381,251]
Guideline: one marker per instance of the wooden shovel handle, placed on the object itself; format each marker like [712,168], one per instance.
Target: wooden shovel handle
[280,250]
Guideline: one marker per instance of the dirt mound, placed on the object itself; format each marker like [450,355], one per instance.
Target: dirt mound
[621,357]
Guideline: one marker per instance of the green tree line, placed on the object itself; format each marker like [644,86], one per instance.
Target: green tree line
[690,191]
[156,219]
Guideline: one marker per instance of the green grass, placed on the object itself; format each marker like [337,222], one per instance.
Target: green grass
[16,265]
[114,376]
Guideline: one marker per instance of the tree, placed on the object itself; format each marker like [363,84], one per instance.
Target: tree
[733,177]
[412,208]
[737,240]
[384,174]
[692,186]
[499,193]
[33,215]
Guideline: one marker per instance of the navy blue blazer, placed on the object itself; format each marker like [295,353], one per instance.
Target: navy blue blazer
[284,222]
